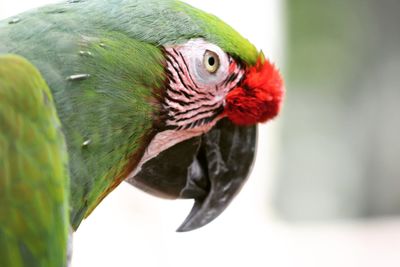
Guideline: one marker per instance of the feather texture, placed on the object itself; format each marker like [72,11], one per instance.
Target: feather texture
[33,170]
[104,63]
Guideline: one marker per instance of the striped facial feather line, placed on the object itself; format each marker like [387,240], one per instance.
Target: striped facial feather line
[187,72]
[182,116]
[199,122]
[195,110]
[182,66]
[177,78]
[199,115]
[187,104]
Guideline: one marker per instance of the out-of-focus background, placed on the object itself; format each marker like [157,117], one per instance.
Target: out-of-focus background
[340,149]
[325,189]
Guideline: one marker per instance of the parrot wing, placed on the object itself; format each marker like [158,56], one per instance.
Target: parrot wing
[34,213]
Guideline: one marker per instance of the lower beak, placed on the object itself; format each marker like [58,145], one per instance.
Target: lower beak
[211,169]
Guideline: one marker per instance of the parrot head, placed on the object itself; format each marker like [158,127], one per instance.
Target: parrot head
[206,84]
[218,87]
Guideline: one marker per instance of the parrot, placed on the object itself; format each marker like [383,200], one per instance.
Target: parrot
[94,93]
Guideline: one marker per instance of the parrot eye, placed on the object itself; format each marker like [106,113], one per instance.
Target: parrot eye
[207,63]
[211,61]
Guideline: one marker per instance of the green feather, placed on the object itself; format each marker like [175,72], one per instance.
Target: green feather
[33,170]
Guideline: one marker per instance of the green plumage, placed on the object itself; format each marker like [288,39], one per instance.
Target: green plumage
[33,170]
[110,115]
[104,64]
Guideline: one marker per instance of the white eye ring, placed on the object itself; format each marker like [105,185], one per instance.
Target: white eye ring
[211,61]
[207,63]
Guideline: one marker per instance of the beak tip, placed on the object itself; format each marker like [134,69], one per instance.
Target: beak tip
[197,218]
[185,226]
[183,229]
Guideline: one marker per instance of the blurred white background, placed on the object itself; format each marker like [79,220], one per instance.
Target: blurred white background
[130,228]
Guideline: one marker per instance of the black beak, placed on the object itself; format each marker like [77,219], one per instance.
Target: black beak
[211,169]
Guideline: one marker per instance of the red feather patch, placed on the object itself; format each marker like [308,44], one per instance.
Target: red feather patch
[258,98]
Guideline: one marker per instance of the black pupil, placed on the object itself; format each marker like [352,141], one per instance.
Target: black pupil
[211,61]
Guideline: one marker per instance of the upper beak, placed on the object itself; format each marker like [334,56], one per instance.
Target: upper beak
[211,169]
